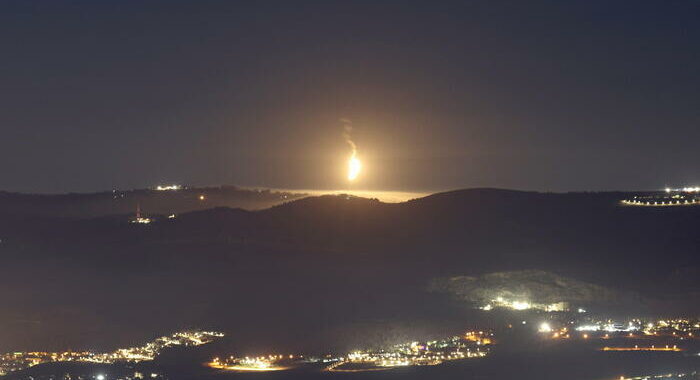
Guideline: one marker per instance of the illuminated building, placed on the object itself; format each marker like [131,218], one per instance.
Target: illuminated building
[138,218]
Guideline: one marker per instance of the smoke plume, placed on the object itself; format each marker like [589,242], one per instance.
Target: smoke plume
[347,135]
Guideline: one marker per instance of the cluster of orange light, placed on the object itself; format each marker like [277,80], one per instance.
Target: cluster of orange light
[637,348]
[257,364]
[478,337]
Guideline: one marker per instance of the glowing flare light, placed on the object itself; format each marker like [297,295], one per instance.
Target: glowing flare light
[354,167]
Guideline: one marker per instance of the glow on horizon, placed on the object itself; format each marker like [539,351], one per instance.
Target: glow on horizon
[384,196]
[241,368]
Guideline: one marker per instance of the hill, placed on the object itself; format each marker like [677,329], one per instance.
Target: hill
[152,201]
[333,271]
[479,228]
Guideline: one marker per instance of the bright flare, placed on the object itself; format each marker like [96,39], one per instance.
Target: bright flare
[354,167]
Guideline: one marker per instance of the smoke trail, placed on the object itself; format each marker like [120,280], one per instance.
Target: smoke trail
[347,135]
[354,164]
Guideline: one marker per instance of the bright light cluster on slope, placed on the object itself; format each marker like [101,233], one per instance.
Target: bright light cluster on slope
[501,302]
[168,187]
[258,364]
[16,361]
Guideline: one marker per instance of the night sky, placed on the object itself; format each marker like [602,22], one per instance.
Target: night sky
[560,95]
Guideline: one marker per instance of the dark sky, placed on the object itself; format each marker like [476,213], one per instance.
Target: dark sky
[560,95]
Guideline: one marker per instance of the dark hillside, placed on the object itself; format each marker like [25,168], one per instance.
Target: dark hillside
[151,201]
[340,269]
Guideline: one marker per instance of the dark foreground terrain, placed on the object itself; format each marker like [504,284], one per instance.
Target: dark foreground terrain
[332,272]
[573,363]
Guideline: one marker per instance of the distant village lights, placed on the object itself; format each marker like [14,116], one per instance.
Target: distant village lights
[521,305]
[17,361]
[695,189]
[168,187]
[686,196]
